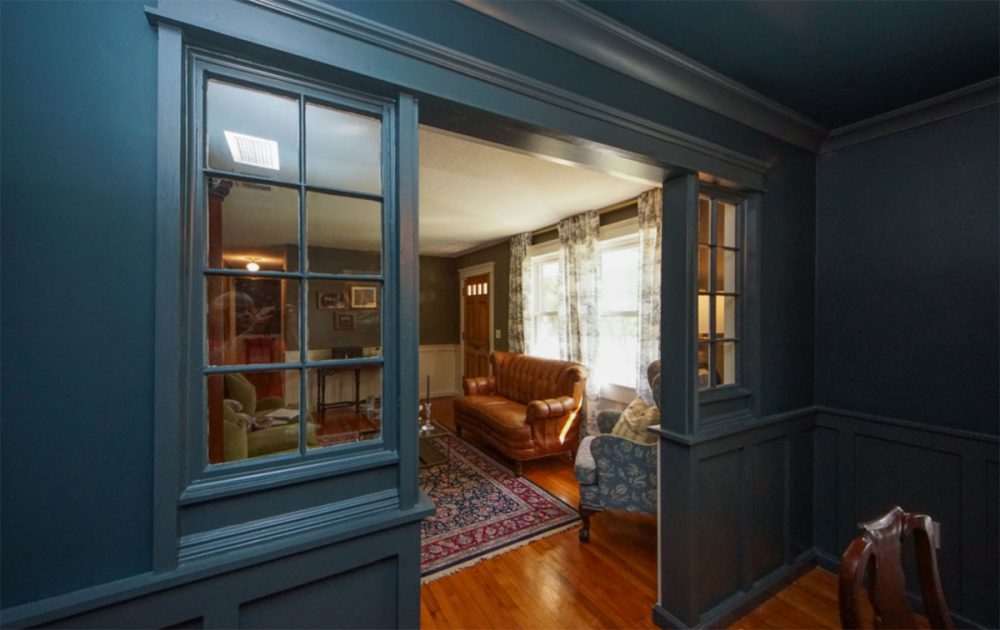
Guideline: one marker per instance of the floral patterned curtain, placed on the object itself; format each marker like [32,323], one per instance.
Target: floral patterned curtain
[519,308]
[581,280]
[650,254]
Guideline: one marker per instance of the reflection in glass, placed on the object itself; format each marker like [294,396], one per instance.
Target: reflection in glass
[344,234]
[252,131]
[345,404]
[346,316]
[252,224]
[704,220]
[253,414]
[343,150]
[703,374]
[250,320]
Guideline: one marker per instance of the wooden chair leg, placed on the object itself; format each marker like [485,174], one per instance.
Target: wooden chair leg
[585,514]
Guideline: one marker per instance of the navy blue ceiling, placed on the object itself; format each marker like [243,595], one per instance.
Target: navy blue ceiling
[835,62]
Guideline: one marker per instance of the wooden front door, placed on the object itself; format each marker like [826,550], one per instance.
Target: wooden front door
[476,326]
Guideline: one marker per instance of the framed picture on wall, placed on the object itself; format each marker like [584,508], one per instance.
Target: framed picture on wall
[343,321]
[335,300]
[364,297]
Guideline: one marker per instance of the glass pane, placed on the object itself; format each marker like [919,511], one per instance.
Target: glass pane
[704,314]
[345,234]
[620,280]
[725,316]
[725,227]
[725,270]
[252,131]
[725,359]
[703,271]
[345,319]
[618,355]
[252,226]
[345,405]
[252,414]
[704,219]
[703,378]
[548,289]
[250,320]
[343,150]
[546,341]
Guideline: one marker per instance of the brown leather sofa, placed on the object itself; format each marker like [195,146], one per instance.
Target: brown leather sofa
[528,408]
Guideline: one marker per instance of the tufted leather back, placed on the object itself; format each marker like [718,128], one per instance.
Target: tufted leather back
[525,378]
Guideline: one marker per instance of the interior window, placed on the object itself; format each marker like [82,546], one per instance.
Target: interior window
[291,271]
[719,290]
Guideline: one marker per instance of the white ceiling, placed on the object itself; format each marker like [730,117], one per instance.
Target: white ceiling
[472,193]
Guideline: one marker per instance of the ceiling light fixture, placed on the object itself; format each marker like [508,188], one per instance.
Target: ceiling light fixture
[253,151]
[252,265]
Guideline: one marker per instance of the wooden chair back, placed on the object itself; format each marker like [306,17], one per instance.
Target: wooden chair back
[873,561]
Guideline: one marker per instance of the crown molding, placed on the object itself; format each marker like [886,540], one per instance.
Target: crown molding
[960,101]
[573,26]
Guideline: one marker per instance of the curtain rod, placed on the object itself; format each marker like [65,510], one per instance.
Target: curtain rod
[615,206]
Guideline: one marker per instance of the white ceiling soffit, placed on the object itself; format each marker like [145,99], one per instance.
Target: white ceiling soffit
[572,25]
[473,193]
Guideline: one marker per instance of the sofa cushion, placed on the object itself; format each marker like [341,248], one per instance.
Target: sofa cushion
[242,390]
[496,409]
[634,421]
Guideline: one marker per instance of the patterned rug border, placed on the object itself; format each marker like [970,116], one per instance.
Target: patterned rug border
[492,552]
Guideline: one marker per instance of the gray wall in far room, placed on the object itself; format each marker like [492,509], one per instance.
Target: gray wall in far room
[438,300]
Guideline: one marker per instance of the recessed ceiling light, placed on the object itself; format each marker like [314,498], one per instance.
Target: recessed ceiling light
[253,151]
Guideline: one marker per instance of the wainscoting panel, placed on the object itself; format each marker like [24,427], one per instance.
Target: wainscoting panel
[444,365]
[865,465]
[718,494]
[767,486]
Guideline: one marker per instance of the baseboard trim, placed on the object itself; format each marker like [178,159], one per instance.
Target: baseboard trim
[740,604]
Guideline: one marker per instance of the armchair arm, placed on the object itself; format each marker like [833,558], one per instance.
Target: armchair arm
[480,385]
[550,408]
[626,473]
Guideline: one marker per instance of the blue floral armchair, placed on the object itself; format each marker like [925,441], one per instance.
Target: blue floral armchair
[615,472]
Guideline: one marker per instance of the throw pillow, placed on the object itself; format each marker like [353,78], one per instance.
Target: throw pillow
[634,421]
[240,389]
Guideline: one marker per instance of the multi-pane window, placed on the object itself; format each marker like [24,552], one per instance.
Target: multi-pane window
[546,283]
[720,280]
[618,352]
[290,266]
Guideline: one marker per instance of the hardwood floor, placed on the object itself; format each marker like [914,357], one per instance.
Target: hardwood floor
[558,582]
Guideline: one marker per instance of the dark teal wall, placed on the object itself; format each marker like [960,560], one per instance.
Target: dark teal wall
[78,192]
[907,275]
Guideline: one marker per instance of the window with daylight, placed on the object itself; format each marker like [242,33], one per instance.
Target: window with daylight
[287,265]
[618,353]
[546,293]
[720,290]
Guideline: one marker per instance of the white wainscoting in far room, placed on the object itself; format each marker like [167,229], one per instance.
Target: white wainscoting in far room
[444,364]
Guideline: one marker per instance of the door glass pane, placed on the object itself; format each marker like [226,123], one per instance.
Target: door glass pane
[725,270]
[344,319]
[251,131]
[343,150]
[344,234]
[725,357]
[703,267]
[252,414]
[725,228]
[252,226]
[250,320]
[345,405]
[704,220]
[725,316]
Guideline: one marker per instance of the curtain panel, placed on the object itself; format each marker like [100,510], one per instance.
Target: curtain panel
[578,239]
[520,326]
[650,254]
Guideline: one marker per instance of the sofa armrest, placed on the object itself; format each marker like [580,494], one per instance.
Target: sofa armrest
[550,408]
[480,386]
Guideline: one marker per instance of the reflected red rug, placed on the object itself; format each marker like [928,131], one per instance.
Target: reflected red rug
[483,510]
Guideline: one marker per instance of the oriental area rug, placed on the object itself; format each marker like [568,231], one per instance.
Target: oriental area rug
[483,510]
